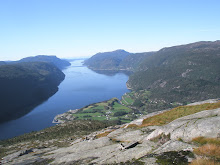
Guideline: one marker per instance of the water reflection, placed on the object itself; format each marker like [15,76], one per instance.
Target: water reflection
[112,72]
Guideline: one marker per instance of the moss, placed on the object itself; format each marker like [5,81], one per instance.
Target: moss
[174,157]
[130,162]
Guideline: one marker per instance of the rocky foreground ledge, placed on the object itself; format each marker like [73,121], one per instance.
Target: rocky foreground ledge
[137,142]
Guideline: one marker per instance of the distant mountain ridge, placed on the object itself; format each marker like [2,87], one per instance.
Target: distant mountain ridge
[61,64]
[106,60]
[116,60]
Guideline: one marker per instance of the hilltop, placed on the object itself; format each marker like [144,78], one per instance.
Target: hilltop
[106,60]
[116,60]
[177,136]
[61,64]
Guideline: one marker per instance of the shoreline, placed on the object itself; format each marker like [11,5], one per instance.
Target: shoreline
[67,114]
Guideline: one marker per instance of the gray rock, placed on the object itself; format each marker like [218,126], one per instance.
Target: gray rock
[205,123]
[173,145]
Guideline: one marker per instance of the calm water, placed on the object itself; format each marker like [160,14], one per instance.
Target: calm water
[81,87]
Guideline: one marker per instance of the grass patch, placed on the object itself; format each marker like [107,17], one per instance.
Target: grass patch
[127,100]
[168,116]
[208,150]
[203,140]
[132,126]
[106,110]
[104,134]
[200,161]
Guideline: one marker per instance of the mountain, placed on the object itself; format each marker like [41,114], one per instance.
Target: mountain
[179,74]
[106,60]
[25,85]
[61,64]
[178,136]
[133,61]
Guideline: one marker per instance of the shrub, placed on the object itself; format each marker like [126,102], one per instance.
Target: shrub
[120,113]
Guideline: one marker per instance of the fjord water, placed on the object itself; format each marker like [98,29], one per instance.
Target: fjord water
[81,87]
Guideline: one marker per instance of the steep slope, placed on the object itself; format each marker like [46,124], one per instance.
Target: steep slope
[117,60]
[61,64]
[133,61]
[25,85]
[180,74]
[106,60]
[169,142]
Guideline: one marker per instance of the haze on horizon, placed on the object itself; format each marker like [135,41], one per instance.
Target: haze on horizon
[83,28]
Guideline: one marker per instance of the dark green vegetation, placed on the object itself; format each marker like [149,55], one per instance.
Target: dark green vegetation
[167,78]
[116,60]
[25,85]
[61,64]
[106,60]
[107,110]
[69,130]
[174,157]
[133,61]
[176,76]
[179,74]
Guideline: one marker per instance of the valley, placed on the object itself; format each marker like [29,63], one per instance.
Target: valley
[156,122]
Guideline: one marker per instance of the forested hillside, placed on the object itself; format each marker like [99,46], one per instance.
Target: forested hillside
[25,85]
[133,61]
[106,60]
[179,74]
[116,60]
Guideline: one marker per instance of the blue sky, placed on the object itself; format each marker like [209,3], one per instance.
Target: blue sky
[79,28]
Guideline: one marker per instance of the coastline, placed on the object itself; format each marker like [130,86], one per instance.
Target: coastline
[58,119]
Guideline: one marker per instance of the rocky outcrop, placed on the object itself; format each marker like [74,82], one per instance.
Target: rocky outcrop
[117,144]
[205,123]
